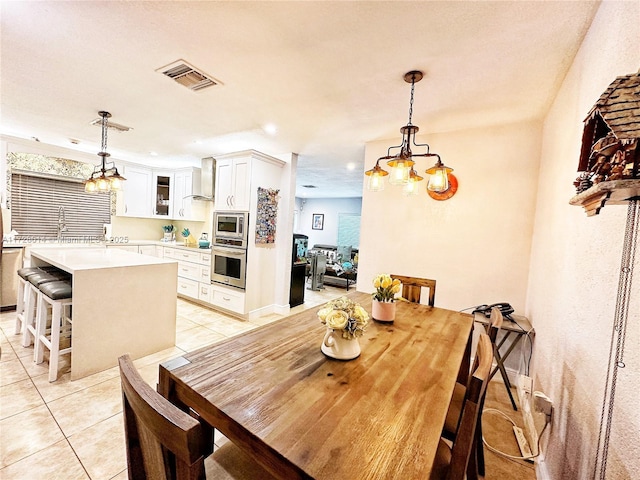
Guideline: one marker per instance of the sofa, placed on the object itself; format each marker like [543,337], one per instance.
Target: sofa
[335,274]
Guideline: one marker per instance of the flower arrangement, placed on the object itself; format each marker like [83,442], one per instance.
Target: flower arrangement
[346,315]
[386,288]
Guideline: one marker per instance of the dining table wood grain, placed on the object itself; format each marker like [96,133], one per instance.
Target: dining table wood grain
[273,393]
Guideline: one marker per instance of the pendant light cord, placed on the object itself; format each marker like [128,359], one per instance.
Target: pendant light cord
[618,337]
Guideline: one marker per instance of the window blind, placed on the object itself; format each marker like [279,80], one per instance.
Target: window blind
[40,204]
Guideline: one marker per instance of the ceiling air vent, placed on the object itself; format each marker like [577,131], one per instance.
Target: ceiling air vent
[187,75]
[309,186]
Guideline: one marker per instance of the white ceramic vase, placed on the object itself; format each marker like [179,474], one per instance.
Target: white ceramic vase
[335,345]
[383,311]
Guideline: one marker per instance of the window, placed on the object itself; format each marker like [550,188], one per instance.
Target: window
[40,204]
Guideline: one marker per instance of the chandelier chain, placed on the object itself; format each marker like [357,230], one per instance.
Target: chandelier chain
[105,126]
[413,83]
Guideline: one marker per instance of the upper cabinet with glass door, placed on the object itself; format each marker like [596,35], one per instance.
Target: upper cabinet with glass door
[163,189]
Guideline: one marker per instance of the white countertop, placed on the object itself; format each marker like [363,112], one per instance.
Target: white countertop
[74,259]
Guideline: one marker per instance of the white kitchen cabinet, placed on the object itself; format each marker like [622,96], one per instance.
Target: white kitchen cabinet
[192,282]
[136,193]
[233,184]
[228,298]
[163,191]
[187,182]
[151,250]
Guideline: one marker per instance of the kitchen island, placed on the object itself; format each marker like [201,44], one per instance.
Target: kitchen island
[123,302]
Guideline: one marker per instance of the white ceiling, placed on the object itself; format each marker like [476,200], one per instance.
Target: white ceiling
[328,74]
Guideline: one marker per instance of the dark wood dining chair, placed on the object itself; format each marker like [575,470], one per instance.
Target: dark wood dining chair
[163,442]
[412,288]
[453,463]
[454,416]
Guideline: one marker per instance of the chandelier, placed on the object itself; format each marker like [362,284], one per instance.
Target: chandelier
[402,164]
[105,177]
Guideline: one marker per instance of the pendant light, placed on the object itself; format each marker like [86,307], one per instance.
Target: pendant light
[402,164]
[376,175]
[105,177]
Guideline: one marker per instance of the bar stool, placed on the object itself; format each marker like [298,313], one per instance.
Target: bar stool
[23,276]
[31,302]
[56,295]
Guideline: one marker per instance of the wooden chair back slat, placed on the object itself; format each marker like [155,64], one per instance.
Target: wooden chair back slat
[464,443]
[412,288]
[162,441]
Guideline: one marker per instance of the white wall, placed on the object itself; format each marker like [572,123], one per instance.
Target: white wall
[574,270]
[330,207]
[476,244]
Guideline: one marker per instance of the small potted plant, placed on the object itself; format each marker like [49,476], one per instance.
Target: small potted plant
[188,238]
[168,233]
[383,306]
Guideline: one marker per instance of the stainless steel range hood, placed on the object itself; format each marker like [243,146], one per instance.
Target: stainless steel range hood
[208,180]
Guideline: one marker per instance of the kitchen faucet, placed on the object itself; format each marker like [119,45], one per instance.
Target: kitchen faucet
[62,222]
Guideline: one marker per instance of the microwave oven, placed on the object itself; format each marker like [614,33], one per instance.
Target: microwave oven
[230,228]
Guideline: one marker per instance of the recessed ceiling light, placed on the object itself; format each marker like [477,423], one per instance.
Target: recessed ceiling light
[270,128]
[153,154]
[351,166]
[198,142]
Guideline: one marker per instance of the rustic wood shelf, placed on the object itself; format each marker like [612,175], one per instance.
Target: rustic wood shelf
[613,192]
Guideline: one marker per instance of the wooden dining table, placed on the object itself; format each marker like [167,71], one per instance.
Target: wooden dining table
[301,414]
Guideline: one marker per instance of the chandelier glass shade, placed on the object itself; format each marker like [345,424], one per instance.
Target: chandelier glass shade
[105,177]
[402,164]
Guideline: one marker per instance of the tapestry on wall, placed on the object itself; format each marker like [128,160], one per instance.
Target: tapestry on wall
[267,213]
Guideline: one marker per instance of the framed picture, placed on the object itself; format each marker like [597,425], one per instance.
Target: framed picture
[318,221]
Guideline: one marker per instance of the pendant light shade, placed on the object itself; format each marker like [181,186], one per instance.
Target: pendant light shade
[439,179]
[375,181]
[411,188]
[104,178]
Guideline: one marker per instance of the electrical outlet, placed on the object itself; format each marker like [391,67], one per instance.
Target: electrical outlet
[542,403]
[526,383]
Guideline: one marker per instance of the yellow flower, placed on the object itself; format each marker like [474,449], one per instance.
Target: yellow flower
[386,282]
[376,282]
[396,282]
[322,314]
[337,319]
[395,289]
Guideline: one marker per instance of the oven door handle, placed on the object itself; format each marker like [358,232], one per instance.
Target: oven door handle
[230,251]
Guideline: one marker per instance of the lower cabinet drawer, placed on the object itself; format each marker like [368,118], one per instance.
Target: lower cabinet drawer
[205,274]
[227,299]
[204,292]
[188,288]
[188,270]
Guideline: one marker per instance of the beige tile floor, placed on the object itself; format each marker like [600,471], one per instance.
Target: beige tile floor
[73,430]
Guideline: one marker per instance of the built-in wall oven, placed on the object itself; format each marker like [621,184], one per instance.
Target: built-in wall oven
[229,266]
[229,248]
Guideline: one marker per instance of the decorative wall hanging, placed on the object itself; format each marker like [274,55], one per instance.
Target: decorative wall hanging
[318,221]
[267,214]
[609,166]
[609,172]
